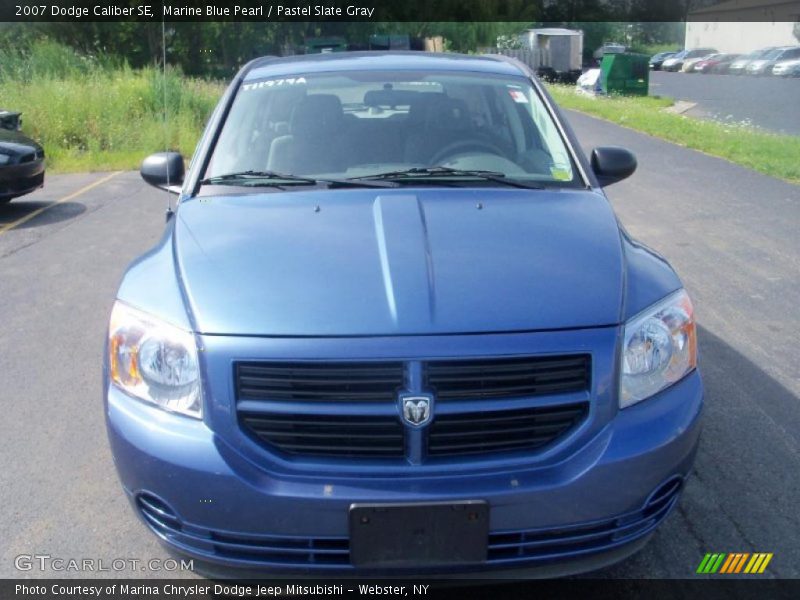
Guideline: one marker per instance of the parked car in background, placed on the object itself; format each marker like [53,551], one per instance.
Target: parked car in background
[789,54]
[280,352]
[738,66]
[763,65]
[675,63]
[21,159]
[787,68]
[689,63]
[716,63]
[675,59]
[657,59]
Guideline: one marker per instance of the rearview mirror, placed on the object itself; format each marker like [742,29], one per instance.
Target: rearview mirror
[612,164]
[163,170]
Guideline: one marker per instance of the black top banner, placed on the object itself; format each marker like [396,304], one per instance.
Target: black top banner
[550,11]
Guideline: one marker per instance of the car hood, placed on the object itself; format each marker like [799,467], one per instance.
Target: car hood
[399,261]
[13,142]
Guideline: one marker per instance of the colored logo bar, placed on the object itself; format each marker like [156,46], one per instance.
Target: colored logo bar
[735,562]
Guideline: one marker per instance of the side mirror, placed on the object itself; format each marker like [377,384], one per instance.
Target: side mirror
[163,170]
[612,164]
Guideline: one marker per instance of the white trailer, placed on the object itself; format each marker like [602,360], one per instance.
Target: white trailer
[554,53]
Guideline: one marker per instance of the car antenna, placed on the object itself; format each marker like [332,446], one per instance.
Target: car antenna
[170,212]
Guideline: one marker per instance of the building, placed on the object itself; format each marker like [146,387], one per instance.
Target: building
[740,26]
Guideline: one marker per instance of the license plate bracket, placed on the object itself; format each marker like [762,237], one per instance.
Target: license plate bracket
[419,534]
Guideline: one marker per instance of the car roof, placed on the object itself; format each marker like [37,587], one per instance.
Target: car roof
[378,61]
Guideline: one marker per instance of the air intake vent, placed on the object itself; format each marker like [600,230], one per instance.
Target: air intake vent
[508,378]
[319,381]
[328,435]
[158,515]
[502,431]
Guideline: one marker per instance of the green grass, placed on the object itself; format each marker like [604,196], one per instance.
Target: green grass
[771,154]
[94,115]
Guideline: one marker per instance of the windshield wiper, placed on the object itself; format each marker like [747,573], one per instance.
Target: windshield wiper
[278,179]
[422,172]
[250,175]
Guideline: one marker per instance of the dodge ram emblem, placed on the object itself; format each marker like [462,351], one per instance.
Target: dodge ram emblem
[416,409]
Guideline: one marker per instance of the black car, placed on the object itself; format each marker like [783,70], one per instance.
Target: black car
[658,59]
[21,159]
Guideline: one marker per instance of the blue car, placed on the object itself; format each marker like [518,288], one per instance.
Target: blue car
[394,327]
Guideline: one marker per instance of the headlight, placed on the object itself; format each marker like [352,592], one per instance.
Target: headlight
[659,348]
[154,361]
[4,159]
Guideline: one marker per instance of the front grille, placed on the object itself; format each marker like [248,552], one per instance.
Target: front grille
[508,377]
[328,435]
[502,431]
[296,407]
[319,381]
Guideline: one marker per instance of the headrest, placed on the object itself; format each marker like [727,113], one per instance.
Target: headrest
[316,115]
[419,105]
[449,114]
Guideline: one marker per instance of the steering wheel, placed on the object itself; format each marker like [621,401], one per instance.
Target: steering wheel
[462,146]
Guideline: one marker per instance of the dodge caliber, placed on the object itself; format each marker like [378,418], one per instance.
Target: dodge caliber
[395,327]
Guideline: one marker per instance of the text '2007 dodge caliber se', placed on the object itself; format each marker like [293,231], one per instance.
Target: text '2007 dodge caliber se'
[394,326]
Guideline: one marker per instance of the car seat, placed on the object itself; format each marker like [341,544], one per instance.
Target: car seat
[316,142]
[436,122]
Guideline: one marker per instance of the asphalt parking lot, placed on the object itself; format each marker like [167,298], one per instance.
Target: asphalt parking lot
[766,102]
[730,232]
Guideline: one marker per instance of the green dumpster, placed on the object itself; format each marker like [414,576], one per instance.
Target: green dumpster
[625,73]
[325,45]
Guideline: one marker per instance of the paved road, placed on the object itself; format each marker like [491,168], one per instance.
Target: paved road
[731,232]
[767,102]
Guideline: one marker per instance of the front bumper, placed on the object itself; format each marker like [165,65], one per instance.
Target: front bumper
[20,179]
[596,504]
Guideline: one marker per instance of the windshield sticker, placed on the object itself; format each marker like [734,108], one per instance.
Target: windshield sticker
[274,83]
[518,96]
[560,173]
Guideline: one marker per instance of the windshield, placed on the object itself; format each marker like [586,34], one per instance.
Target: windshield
[772,54]
[347,125]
